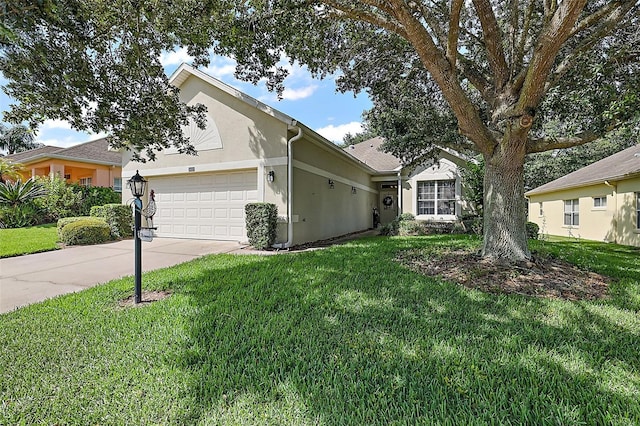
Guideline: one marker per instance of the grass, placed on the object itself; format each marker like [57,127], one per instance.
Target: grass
[35,239]
[342,336]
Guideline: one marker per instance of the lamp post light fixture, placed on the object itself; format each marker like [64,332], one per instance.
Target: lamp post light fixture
[271,176]
[137,184]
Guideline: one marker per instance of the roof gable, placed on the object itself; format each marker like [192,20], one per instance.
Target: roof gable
[369,153]
[621,165]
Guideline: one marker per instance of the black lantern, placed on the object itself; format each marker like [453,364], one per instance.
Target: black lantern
[271,176]
[137,184]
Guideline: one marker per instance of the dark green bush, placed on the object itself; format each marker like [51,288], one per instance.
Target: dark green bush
[119,217]
[533,230]
[90,230]
[96,196]
[261,220]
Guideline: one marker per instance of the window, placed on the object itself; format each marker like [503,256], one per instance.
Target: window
[117,184]
[599,202]
[540,210]
[437,197]
[571,215]
[85,181]
[637,210]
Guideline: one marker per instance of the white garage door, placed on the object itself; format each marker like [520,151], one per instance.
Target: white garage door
[204,206]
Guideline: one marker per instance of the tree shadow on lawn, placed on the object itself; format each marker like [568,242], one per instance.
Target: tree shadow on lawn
[348,336]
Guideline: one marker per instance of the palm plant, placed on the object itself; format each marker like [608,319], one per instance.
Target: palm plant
[17,193]
[10,170]
[16,138]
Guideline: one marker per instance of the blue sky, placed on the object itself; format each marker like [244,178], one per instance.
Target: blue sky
[315,103]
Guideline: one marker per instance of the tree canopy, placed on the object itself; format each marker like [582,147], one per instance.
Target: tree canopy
[505,77]
[16,138]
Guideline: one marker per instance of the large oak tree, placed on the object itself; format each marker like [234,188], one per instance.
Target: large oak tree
[504,77]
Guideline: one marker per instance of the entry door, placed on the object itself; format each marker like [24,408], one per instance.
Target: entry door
[388,205]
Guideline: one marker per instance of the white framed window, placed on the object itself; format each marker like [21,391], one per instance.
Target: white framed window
[436,197]
[599,202]
[637,210]
[571,213]
[540,210]
[117,184]
[86,181]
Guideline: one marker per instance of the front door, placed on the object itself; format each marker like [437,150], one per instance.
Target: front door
[388,202]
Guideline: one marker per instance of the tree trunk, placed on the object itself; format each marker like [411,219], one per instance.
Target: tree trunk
[505,235]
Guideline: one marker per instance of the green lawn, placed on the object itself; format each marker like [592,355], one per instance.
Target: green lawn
[14,242]
[342,336]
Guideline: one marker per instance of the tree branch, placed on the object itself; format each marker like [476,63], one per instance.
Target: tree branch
[436,63]
[551,40]
[454,32]
[493,42]
[342,11]
[547,144]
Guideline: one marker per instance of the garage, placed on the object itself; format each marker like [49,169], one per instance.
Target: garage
[204,206]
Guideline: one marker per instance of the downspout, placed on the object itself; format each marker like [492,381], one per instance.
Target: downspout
[614,187]
[294,125]
[399,193]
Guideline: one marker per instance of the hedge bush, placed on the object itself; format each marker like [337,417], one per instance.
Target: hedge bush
[96,196]
[119,217]
[62,222]
[261,220]
[533,230]
[416,228]
[86,231]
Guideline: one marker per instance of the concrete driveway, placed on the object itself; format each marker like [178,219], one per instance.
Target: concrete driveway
[37,277]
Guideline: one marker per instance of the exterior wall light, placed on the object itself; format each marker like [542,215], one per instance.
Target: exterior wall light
[271,176]
[353,189]
[331,184]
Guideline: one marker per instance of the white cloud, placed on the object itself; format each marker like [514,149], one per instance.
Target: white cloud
[221,67]
[296,94]
[55,124]
[336,133]
[175,57]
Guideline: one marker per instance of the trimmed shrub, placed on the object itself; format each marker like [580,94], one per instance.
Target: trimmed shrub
[406,216]
[64,221]
[533,230]
[416,228]
[119,217]
[89,230]
[261,220]
[393,228]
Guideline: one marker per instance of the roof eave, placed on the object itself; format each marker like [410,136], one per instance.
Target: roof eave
[599,181]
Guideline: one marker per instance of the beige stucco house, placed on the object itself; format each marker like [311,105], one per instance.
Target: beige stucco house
[250,152]
[598,202]
[89,164]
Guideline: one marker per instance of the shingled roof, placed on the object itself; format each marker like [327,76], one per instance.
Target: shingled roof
[622,165]
[369,153]
[89,152]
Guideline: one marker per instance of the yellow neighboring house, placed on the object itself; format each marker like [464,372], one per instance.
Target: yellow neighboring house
[598,202]
[89,164]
